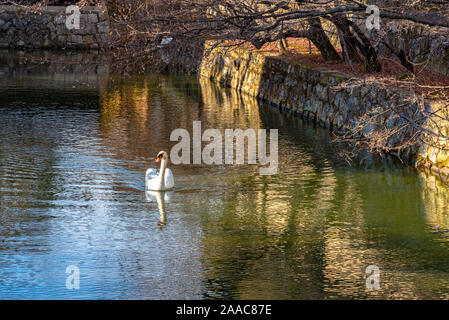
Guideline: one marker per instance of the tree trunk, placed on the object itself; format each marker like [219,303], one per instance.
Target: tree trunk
[402,57]
[346,40]
[282,46]
[321,41]
[357,40]
[372,62]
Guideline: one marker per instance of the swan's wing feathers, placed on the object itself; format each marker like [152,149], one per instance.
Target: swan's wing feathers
[169,180]
[151,178]
[151,172]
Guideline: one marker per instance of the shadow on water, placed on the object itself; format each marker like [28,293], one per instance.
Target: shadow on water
[72,163]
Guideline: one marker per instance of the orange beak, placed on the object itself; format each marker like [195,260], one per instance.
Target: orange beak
[158,159]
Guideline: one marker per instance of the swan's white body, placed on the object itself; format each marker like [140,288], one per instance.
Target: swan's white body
[155,181]
[160,180]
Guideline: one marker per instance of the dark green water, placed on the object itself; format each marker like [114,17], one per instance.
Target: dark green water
[72,163]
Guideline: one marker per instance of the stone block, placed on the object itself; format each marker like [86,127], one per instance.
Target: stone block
[5,26]
[103,27]
[51,26]
[92,18]
[103,15]
[59,20]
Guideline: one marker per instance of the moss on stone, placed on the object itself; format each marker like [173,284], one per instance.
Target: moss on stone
[324,80]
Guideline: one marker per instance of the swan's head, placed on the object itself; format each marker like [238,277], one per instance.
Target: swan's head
[161,155]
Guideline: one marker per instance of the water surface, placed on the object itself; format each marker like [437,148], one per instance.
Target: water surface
[73,155]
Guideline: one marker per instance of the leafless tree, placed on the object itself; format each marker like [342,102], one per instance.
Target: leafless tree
[147,22]
[333,26]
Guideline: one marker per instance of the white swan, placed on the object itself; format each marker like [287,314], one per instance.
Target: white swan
[160,180]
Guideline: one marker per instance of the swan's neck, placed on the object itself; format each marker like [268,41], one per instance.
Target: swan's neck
[162,175]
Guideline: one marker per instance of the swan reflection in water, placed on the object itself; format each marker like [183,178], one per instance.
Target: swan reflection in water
[161,198]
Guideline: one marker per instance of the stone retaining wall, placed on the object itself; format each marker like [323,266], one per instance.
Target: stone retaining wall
[22,27]
[326,97]
[423,44]
[55,69]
